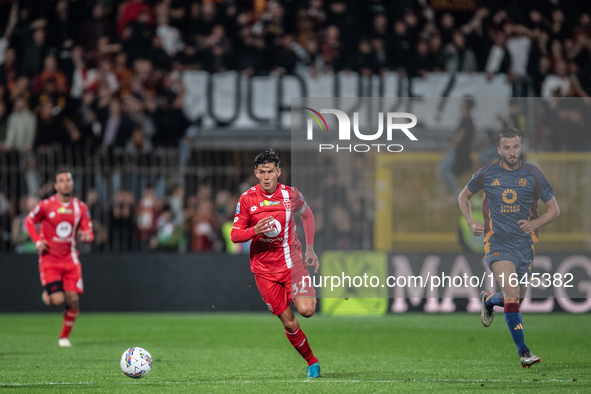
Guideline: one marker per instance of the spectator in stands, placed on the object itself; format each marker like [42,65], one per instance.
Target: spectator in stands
[219,59]
[204,236]
[22,125]
[172,42]
[98,26]
[332,49]
[557,84]
[19,236]
[137,37]
[132,11]
[34,50]
[540,74]
[499,58]
[436,51]
[518,46]
[158,56]
[122,231]
[62,27]
[456,156]
[6,214]
[50,131]
[401,48]
[169,235]
[50,72]
[118,127]
[459,58]
[365,62]
[148,210]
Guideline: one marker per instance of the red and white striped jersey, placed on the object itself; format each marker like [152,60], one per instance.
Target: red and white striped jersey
[60,223]
[278,250]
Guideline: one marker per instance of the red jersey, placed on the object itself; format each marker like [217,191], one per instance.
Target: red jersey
[60,223]
[280,249]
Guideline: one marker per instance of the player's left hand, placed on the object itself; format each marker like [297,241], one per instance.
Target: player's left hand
[85,236]
[311,259]
[528,226]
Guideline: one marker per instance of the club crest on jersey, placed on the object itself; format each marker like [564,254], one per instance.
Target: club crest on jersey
[275,229]
[522,182]
[63,230]
[287,205]
[267,203]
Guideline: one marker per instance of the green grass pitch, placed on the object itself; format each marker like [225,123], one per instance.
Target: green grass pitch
[221,352]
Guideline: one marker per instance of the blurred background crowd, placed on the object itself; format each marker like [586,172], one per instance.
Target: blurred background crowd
[98,85]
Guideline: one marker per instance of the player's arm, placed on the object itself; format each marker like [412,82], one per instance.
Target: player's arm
[307,216]
[240,230]
[32,219]
[466,209]
[86,233]
[553,212]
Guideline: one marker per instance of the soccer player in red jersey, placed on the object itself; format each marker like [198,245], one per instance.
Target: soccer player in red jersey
[265,214]
[61,217]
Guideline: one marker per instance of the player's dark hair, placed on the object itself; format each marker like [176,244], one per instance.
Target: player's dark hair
[269,156]
[61,171]
[510,132]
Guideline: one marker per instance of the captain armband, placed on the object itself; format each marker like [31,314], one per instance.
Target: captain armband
[301,211]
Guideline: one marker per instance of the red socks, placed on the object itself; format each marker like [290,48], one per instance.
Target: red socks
[299,341]
[69,319]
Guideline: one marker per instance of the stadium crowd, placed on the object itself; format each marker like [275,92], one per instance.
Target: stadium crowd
[88,77]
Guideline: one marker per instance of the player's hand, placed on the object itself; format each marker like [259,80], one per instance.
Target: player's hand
[311,259]
[527,226]
[85,236]
[477,228]
[41,246]
[263,226]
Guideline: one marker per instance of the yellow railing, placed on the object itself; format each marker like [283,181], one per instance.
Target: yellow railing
[415,212]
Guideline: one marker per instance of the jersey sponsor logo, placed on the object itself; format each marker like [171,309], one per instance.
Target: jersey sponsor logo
[63,230]
[253,208]
[268,203]
[51,215]
[509,196]
[522,182]
[496,183]
[63,210]
[276,229]
[238,208]
[271,240]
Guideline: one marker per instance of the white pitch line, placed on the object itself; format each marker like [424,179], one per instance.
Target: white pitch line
[323,381]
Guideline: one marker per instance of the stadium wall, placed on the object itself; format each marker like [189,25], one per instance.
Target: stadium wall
[141,282]
[159,282]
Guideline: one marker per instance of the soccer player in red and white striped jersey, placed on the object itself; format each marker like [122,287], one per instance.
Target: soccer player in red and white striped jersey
[61,218]
[265,215]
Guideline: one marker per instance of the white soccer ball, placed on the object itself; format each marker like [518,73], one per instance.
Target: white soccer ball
[136,362]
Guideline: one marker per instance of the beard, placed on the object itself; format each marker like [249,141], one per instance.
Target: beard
[510,162]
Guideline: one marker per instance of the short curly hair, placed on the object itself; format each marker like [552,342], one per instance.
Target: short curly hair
[510,132]
[269,156]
